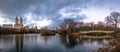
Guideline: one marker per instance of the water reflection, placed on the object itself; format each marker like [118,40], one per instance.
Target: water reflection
[57,43]
[68,41]
[19,40]
[5,41]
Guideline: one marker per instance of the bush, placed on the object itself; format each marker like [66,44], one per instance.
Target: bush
[47,32]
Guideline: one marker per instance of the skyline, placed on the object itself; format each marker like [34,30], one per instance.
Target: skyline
[50,12]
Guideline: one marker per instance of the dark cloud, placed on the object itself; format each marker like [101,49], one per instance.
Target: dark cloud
[15,7]
[19,7]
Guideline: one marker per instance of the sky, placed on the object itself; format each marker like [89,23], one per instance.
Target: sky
[52,12]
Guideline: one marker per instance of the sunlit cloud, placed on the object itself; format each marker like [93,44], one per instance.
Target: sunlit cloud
[95,14]
[5,20]
[71,12]
[41,22]
[2,20]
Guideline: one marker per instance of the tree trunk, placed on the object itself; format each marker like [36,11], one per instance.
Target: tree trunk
[115,26]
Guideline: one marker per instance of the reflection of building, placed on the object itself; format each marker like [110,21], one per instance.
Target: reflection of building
[19,40]
[7,25]
[18,24]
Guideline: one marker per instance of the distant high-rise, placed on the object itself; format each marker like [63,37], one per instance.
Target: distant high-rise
[18,24]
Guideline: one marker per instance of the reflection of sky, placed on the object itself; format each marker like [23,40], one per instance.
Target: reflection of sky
[50,12]
[1,44]
[35,42]
[6,42]
[92,46]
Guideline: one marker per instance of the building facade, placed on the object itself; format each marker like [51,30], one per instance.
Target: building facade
[18,23]
[7,26]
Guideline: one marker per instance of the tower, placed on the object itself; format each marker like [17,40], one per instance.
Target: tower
[18,23]
[16,20]
[21,21]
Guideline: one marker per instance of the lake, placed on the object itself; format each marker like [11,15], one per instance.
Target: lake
[57,43]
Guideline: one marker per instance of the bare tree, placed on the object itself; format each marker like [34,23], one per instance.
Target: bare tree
[92,25]
[68,24]
[100,25]
[113,19]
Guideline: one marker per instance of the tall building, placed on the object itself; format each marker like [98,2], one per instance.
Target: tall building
[18,24]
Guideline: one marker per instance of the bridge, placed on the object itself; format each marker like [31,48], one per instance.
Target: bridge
[94,31]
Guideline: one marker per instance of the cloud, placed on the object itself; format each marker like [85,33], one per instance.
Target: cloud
[95,14]
[52,12]
[4,20]
[40,10]
[31,21]
[71,12]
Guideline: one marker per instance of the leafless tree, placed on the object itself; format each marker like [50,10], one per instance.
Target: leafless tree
[113,19]
[68,24]
[100,25]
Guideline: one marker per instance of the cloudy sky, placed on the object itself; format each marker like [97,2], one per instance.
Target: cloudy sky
[52,12]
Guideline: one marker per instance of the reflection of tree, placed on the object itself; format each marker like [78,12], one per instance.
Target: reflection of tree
[68,41]
[72,41]
[81,40]
[63,39]
[88,40]
[46,39]
[19,40]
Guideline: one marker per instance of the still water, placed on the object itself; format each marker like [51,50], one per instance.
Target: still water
[57,43]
